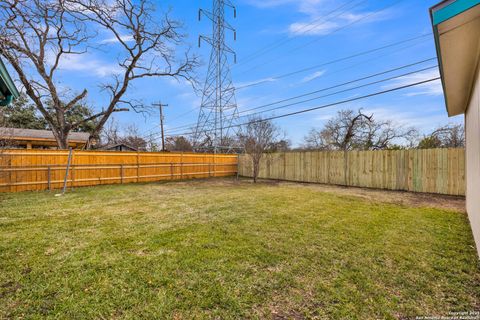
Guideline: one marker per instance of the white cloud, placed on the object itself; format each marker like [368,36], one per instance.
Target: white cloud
[269,3]
[89,64]
[313,76]
[424,121]
[317,26]
[254,82]
[126,38]
[304,6]
[86,63]
[433,88]
[315,10]
[309,29]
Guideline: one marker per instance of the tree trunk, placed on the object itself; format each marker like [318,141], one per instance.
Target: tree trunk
[63,142]
[61,137]
[256,164]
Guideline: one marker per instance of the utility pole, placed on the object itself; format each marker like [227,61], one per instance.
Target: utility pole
[162,118]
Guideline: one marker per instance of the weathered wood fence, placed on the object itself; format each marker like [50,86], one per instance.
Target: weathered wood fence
[24,170]
[434,170]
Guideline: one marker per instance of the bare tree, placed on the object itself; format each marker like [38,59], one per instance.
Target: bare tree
[130,136]
[340,133]
[37,36]
[179,143]
[133,138]
[351,130]
[381,135]
[282,145]
[448,136]
[257,137]
[110,134]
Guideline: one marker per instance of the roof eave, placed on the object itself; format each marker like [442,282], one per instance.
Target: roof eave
[5,77]
[448,9]
[439,60]
[440,13]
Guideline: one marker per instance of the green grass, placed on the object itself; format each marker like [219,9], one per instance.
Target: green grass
[230,250]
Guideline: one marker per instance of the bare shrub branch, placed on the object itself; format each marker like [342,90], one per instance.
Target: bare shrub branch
[257,137]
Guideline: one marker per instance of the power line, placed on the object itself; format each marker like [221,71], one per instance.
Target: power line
[345,90]
[149,131]
[183,114]
[350,82]
[306,28]
[352,23]
[391,45]
[331,104]
[285,75]
[320,97]
[333,87]
[319,38]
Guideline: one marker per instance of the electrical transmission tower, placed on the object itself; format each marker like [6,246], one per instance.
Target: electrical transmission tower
[218,111]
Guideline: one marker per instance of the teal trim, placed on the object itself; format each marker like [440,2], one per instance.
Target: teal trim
[7,82]
[5,102]
[441,13]
[451,10]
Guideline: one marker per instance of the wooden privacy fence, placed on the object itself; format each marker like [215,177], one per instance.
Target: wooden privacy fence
[24,170]
[433,170]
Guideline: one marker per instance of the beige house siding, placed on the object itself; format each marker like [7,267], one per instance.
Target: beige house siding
[472,125]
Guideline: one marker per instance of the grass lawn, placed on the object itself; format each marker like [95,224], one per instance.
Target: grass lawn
[230,250]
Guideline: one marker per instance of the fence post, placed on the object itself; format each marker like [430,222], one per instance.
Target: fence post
[238,165]
[49,177]
[181,166]
[66,171]
[72,185]
[138,167]
[214,165]
[171,170]
[121,174]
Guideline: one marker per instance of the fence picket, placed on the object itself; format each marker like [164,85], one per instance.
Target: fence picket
[26,170]
[432,171]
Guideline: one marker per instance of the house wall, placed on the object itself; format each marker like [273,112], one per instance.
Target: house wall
[472,126]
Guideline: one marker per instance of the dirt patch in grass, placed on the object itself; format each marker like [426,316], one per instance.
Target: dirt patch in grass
[430,200]
[438,201]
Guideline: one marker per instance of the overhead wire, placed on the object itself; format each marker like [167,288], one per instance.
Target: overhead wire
[348,82]
[391,45]
[362,18]
[327,105]
[323,64]
[303,30]
[333,87]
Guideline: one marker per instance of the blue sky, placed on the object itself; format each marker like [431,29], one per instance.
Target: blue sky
[359,26]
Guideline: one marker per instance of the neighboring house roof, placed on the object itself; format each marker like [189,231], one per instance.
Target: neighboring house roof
[7,87]
[31,134]
[456,28]
[119,145]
